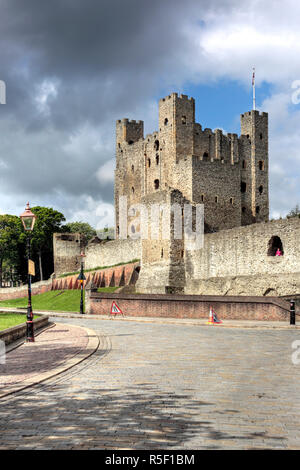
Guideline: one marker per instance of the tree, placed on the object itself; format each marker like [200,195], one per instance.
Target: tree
[294,212]
[81,227]
[11,239]
[48,222]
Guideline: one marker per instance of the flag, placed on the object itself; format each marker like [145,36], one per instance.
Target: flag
[253,77]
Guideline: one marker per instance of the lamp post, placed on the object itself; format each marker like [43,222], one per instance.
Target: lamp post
[28,220]
[81,278]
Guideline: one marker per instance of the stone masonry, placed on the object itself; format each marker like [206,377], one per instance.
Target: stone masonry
[181,164]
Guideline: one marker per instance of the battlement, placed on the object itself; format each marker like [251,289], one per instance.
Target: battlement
[129,131]
[225,171]
[180,97]
[254,112]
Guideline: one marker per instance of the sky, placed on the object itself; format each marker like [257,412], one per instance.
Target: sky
[73,67]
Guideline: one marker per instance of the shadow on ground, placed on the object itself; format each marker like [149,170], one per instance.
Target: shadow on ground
[139,417]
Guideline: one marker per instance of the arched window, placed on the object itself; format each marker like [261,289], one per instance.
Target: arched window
[157,159]
[261,165]
[244,164]
[132,190]
[149,162]
[243,187]
[156,184]
[183,120]
[166,121]
[260,189]
[132,168]
[156,145]
[260,136]
[275,246]
[231,201]
[216,199]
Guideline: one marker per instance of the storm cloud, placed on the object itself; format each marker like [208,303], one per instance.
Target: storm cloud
[73,67]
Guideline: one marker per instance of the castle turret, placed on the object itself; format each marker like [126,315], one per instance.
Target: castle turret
[254,167]
[176,124]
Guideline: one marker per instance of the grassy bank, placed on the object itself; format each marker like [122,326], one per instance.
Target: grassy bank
[7,320]
[57,300]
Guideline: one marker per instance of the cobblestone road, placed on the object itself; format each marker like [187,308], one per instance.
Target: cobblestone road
[156,386]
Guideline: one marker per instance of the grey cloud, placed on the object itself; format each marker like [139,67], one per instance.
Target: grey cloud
[107,59]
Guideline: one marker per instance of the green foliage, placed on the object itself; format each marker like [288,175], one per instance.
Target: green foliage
[80,227]
[48,222]
[11,241]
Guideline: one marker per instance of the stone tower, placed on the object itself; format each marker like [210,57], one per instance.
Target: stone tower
[254,167]
[226,173]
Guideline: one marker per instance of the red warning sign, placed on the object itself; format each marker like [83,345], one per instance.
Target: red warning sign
[115,310]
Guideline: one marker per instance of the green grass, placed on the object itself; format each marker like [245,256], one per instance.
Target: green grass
[98,268]
[110,290]
[57,300]
[7,320]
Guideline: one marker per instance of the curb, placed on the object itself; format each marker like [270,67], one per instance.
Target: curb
[183,321]
[242,324]
[91,348]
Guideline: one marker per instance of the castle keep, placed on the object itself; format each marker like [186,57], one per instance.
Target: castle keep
[181,164]
[227,173]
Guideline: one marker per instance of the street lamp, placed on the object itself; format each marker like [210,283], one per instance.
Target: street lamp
[81,278]
[28,220]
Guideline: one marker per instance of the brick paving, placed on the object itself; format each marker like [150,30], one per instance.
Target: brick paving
[165,386]
[55,346]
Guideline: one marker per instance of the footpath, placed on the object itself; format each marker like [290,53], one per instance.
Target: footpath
[55,350]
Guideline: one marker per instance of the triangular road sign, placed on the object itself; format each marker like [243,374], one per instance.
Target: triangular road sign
[115,310]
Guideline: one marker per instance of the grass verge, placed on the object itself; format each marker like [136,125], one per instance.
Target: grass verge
[56,300]
[7,320]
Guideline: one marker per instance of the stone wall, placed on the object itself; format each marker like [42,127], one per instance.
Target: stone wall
[229,174]
[66,251]
[112,252]
[236,261]
[191,306]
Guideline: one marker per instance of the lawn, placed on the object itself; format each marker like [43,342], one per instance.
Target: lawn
[57,300]
[7,320]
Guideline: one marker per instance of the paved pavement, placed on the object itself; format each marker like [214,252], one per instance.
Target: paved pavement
[165,386]
[56,349]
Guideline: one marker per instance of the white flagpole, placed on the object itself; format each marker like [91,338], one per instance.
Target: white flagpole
[253,87]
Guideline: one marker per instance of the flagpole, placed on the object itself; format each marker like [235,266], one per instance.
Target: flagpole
[253,87]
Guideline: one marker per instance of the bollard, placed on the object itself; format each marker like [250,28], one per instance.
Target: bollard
[292,313]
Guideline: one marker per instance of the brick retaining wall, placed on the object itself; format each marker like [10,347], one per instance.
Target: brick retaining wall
[9,293]
[126,274]
[191,306]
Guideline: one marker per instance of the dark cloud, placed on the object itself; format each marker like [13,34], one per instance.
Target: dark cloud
[72,68]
